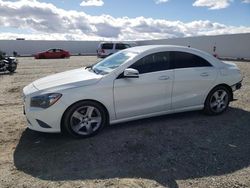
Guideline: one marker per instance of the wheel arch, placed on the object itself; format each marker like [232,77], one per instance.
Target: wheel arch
[85,100]
[224,85]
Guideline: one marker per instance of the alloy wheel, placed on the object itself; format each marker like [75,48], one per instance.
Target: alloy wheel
[85,120]
[219,101]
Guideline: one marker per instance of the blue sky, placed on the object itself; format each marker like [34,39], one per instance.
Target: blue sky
[237,13]
[143,19]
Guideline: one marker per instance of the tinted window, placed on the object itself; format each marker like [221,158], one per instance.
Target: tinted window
[153,62]
[121,46]
[107,46]
[50,50]
[185,60]
[127,46]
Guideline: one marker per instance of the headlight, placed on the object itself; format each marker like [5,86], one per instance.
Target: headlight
[45,101]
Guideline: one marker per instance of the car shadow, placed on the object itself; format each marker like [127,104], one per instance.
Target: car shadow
[7,73]
[165,149]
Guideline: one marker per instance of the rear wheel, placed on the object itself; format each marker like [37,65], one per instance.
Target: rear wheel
[12,67]
[84,119]
[217,101]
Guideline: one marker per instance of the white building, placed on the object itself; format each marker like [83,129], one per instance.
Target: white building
[230,46]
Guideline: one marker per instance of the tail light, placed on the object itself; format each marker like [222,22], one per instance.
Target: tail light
[101,51]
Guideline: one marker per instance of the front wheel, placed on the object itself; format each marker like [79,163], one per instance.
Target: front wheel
[42,56]
[217,101]
[84,119]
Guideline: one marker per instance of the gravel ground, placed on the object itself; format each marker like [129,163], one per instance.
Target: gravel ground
[180,150]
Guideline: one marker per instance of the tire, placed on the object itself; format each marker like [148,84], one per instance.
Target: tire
[12,68]
[217,101]
[63,56]
[84,119]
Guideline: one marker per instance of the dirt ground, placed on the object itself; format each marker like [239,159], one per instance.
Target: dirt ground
[180,150]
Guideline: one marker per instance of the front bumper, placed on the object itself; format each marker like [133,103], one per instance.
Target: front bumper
[43,120]
[236,86]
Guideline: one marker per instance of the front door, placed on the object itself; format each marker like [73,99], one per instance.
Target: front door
[148,94]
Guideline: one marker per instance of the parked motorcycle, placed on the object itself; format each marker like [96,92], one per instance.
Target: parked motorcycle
[7,63]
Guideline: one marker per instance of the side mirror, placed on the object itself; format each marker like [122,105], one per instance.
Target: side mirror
[131,73]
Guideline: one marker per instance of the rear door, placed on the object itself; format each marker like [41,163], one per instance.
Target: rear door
[148,94]
[57,53]
[193,77]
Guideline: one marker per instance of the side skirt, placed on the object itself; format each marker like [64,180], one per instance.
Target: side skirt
[186,109]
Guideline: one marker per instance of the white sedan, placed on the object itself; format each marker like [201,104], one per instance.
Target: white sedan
[135,83]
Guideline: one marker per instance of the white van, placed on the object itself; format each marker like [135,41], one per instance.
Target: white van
[108,48]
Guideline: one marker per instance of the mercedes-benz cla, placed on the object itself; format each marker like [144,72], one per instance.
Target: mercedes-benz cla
[134,83]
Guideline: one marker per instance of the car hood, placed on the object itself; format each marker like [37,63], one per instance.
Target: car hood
[69,79]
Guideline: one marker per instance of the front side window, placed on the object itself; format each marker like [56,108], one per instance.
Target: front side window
[152,63]
[112,62]
[120,46]
[186,60]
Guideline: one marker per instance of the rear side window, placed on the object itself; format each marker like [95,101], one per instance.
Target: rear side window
[121,46]
[153,63]
[107,46]
[127,45]
[186,60]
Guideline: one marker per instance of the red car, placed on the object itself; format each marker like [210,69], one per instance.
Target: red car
[52,53]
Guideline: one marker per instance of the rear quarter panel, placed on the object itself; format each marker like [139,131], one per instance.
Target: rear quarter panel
[230,76]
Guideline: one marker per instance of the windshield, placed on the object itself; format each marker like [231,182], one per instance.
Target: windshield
[112,62]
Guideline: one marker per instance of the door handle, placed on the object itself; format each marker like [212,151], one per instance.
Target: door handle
[163,77]
[204,74]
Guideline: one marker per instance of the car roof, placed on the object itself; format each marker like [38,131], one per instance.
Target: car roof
[114,43]
[153,48]
[140,49]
